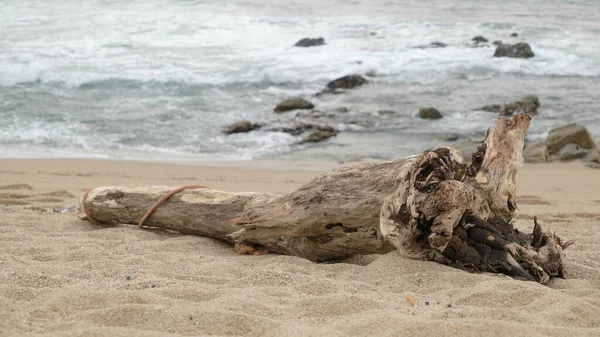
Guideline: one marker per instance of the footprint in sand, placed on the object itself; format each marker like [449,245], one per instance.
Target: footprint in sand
[24,198]
[12,198]
[54,196]
[588,215]
[531,200]
[16,187]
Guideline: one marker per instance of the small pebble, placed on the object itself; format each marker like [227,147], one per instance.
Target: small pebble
[154,286]
[128,278]
[449,305]
[427,303]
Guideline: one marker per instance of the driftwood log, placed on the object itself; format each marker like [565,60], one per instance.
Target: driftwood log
[430,206]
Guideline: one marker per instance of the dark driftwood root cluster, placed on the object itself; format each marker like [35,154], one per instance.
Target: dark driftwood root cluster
[430,206]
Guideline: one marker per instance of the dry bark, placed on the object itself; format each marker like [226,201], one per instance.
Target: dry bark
[430,206]
[198,211]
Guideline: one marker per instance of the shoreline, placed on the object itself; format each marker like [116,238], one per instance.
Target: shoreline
[278,176]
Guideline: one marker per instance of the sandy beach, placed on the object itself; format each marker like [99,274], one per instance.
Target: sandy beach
[61,276]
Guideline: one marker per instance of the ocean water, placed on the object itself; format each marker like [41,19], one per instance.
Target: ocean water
[160,79]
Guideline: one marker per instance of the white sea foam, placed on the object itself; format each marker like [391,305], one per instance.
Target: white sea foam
[119,71]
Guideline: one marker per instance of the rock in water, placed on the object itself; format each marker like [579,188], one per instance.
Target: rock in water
[241,127]
[479,39]
[429,113]
[568,142]
[293,103]
[346,82]
[433,45]
[310,42]
[514,34]
[491,108]
[519,50]
[528,104]
[295,130]
[321,134]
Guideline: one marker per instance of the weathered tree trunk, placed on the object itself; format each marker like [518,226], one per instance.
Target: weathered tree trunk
[199,211]
[430,206]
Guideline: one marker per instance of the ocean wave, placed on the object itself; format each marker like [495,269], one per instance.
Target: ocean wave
[405,66]
[123,82]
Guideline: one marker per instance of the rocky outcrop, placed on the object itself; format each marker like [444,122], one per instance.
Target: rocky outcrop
[346,82]
[321,134]
[241,127]
[519,50]
[310,42]
[491,108]
[568,142]
[429,113]
[293,103]
[528,104]
[565,143]
[296,130]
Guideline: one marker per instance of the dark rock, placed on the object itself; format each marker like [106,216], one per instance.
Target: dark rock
[491,108]
[519,50]
[479,39]
[528,104]
[437,45]
[568,142]
[296,130]
[342,109]
[310,42]
[509,109]
[321,134]
[293,104]
[433,45]
[346,82]
[241,127]
[450,137]
[386,112]
[497,43]
[429,113]
[514,34]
